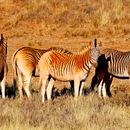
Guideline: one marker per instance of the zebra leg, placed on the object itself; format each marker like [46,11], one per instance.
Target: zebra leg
[20,85]
[100,89]
[104,86]
[43,89]
[49,88]
[81,88]
[104,93]
[109,81]
[76,88]
[27,81]
[3,88]
[72,87]
[93,83]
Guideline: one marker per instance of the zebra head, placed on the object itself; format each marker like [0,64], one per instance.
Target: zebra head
[1,39]
[94,52]
[1,42]
[3,45]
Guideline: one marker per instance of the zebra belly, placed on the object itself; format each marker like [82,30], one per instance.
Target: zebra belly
[63,78]
[69,77]
[123,74]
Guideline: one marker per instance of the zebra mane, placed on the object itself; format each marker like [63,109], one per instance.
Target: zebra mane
[110,49]
[60,50]
[83,50]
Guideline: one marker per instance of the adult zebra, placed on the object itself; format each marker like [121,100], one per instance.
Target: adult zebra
[54,65]
[118,66]
[3,64]
[25,65]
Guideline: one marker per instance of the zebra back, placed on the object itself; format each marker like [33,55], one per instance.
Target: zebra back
[35,54]
[118,65]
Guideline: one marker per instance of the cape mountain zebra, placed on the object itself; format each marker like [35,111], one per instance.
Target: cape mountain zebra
[3,64]
[118,66]
[25,62]
[54,65]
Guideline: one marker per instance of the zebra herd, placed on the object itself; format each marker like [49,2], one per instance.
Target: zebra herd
[60,64]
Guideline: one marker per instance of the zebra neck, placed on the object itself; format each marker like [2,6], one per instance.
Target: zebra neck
[86,62]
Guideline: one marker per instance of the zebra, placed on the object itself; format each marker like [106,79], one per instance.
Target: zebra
[3,64]
[118,67]
[25,65]
[54,65]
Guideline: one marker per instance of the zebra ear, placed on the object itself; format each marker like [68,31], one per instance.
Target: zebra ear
[100,44]
[95,42]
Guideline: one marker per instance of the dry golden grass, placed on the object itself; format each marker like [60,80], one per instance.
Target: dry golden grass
[88,112]
[70,24]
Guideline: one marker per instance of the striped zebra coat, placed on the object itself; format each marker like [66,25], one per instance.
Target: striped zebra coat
[54,65]
[25,65]
[3,64]
[118,66]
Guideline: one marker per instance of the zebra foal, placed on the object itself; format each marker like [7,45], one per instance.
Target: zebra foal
[118,67]
[3,64]
[54,65]
[25,65]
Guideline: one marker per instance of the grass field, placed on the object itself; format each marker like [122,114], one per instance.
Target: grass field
[70,24]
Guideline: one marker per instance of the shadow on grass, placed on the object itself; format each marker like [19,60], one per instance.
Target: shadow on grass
[68,91]
[10,92]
